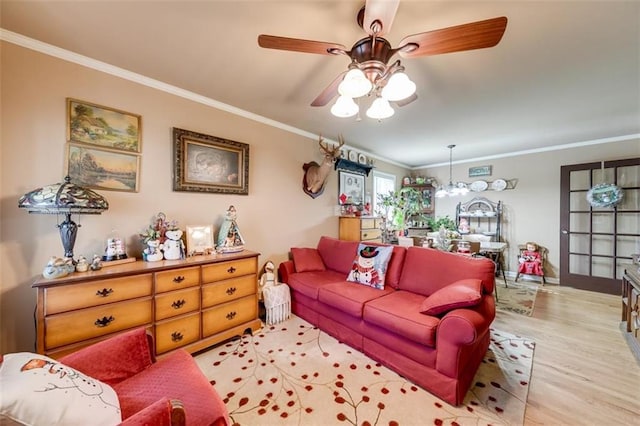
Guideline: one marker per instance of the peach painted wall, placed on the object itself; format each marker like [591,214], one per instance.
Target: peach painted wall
[275,216]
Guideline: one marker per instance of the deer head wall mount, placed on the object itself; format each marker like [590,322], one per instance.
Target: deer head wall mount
[316,174]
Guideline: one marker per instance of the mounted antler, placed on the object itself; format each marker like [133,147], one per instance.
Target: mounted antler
[315,175]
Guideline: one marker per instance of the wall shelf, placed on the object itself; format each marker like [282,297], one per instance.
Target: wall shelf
[352,166]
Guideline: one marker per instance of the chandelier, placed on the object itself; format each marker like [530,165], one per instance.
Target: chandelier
[370,75]
[452,189]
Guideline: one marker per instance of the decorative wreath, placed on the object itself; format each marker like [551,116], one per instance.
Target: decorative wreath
[604,195]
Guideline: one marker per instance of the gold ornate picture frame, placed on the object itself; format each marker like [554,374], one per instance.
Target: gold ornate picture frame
[204,163]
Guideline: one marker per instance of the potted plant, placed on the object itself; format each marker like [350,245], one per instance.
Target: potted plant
[398,207]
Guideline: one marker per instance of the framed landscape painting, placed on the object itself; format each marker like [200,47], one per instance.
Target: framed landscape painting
[103,127]
[206,163]
[102,169]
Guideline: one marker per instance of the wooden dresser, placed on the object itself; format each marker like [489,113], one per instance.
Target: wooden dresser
[191,304]
[360,229]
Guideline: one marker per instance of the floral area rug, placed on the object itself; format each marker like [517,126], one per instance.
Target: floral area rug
[294,374]
[517,298]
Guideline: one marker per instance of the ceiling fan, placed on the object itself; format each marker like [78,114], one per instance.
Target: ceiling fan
[369,72]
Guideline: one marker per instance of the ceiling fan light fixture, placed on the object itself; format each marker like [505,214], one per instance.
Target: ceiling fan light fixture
[398,87]
[355,84]
[344,107]
[380,109]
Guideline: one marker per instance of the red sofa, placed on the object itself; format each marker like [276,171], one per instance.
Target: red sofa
[439,350]
[172,391]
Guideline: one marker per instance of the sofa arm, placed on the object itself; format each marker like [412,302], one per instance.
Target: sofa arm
[458,334]
[115,359]
[164,412]
[284,270]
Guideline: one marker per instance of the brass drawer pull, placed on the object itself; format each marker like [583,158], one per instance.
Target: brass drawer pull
[231,270]
[104,292]
[231,290]
[104,321]
[231,315]
[176,336]
[177,304]
[178,279]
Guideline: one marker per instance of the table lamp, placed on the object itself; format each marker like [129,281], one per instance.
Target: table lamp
[64,198]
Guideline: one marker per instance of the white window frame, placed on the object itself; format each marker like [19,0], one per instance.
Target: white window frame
[376,190]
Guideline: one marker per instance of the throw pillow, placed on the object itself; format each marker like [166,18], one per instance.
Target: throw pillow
[38,390]
[461,294]
[370,265]
[307,260]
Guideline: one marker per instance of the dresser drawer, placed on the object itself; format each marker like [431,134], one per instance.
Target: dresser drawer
[177,279]
[370,234]
[369,223]
[178,332]
[77,296]
[229,315]
[228,290]
[230,269]
[178,302]
[72,327]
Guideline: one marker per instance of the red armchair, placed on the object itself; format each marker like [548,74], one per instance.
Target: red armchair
[171,391]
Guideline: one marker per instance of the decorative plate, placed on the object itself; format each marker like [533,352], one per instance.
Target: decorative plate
[604,195]
[479,186]
[499,185]
[362,159]
[353,156]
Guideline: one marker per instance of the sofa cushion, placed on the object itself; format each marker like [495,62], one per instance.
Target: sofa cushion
[307,259]
[370,265]
[349,298]
[427,270]
[337,255]
[461,294]
[308,283]
[177,375]
[399,312]
[38,390]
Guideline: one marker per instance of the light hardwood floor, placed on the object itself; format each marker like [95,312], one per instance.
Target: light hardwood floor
[584,373]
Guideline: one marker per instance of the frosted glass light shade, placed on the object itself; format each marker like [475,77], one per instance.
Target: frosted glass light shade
[380,109]
[344,107]
[398,87]
[354,84]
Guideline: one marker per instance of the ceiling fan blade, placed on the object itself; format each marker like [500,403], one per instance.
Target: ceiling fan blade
[329,92]
[382,11]
[299,45]
[474,35]
[406,101]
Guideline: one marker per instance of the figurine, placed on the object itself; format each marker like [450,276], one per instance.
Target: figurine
[96,263]
[530,260]
[173,247]
[229,238]
[55,268]
[152,253]
[82,265]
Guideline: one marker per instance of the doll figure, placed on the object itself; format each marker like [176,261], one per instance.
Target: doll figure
[530,260]
[229,238]
[173,246]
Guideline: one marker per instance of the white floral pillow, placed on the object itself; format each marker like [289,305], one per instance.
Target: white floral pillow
[38,390]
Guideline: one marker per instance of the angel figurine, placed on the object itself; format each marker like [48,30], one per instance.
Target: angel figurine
[229,238]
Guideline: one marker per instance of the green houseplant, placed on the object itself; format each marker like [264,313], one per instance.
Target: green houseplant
[398,207]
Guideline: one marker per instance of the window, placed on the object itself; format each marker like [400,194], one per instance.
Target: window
[383,183]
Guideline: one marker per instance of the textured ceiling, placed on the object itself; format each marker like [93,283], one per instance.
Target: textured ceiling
[565,72]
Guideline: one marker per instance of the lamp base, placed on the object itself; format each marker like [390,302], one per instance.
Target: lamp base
[68,233]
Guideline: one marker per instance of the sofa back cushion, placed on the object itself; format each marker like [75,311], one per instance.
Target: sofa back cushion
[336,254]
[426,270]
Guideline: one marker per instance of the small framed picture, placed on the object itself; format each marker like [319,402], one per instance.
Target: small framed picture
[101,126]
[199,239]
[352,185]
[480,171]
[103,169]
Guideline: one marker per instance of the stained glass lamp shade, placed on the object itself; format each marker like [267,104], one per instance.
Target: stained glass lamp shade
[64,198]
